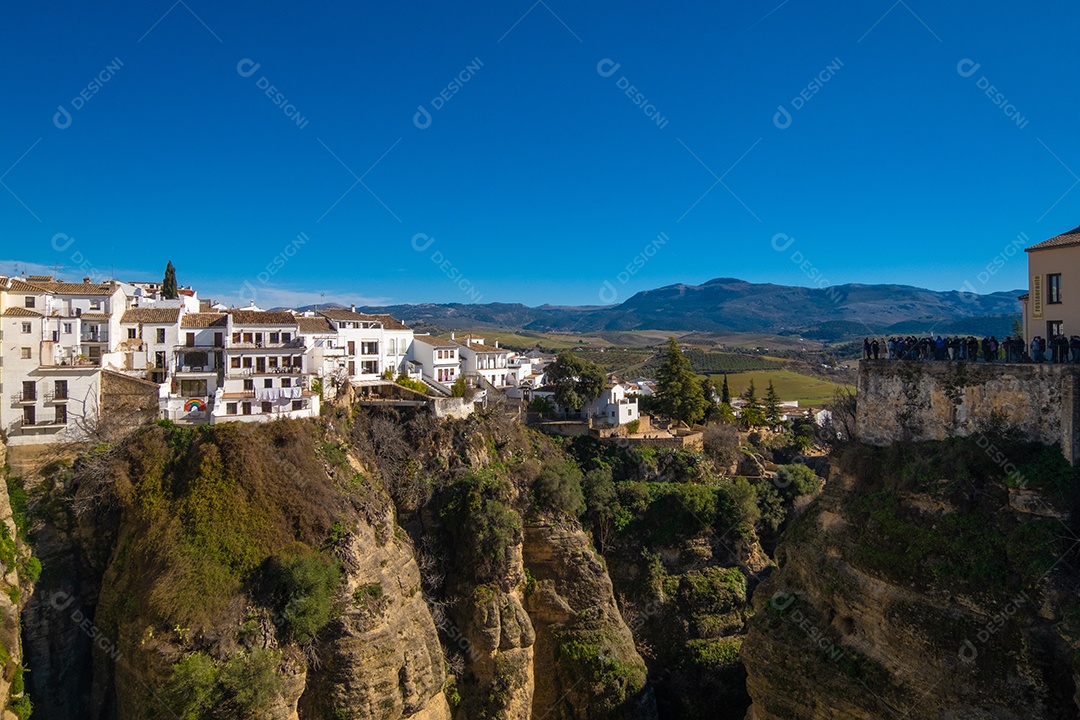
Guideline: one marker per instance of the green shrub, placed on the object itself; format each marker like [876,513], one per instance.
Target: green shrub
[795,480]
[192,688]
[482,523]
[633,426]
[31,570]
[20,505]
[18,682]
[242,687]
[407,382]
[541,404]
[301,587]
[22,707]
[558,488]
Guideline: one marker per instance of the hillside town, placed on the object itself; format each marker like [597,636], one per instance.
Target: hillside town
[73,352]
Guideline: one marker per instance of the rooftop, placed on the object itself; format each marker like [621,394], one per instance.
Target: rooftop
[159,316]
[343,315]
[262,317]
[21,312]
[1063,240]
[315,326]
[198,320]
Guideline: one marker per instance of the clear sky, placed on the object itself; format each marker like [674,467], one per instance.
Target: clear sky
[448,152]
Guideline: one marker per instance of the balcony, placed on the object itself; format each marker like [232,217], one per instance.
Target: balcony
[265,345]
[283,370]
[24,398]
[69,363]
[54,397]
[94,337]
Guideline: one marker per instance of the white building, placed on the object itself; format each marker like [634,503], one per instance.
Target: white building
[372,343]
[264,375]
[54,336]
[197,368]
[487,361]
[612,408]
[439,359]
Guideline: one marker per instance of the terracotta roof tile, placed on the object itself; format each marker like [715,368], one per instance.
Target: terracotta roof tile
[262,317]
[1063,240]
[21,312]
[197,320]
[66,288]
[314,325]
[343,315]
[158,316]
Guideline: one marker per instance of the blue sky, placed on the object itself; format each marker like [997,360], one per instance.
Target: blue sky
[539,178]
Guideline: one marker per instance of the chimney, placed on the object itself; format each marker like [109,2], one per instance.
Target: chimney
[451,335]
[86,280]
[352,308]
[496,344]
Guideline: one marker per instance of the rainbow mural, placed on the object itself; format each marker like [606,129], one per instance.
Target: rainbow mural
[195,404]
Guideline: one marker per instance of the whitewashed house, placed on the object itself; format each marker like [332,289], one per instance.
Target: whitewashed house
[54,336]
[265,375]
[439,359]
[372,343]
[487,361]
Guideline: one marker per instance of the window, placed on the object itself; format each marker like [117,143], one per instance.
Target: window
[190,339]
[247,408]
[61,415]
[24,353]
[249,338]
[234,362]
[95,304]
[161,335]
[236,337]
[369,367]
[247,362]
[268,383]
[249,384]
[27,328]
[67,328]
[286,382]
[297,404]
[275,337]
[1053,328]
[1053,289]
[272,361]
[29,302]
[390,346]
[230,408]
[286,337]
[29,390]
[60,389]
[369,348]
[29,416]
[267,407]
[132,333]
[219,339]
[258,338]
[193,388]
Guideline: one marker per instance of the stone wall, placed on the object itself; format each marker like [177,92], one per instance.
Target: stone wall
[902,400]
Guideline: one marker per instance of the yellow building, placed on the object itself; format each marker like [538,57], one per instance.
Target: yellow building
[1052,303]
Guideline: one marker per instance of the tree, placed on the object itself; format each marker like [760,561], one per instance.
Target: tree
[708,390]
[752,413]
[772,406]
[679,392]
[1017,329]
[577,381]
[725,393]
[168,285]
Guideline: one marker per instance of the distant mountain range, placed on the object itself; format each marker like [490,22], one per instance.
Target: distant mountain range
[730,305]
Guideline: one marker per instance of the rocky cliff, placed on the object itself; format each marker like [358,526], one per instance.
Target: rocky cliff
[925,582]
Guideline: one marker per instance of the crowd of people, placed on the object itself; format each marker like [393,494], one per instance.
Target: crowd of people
[1058,349]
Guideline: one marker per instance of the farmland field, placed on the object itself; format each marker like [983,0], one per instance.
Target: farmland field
[789,385]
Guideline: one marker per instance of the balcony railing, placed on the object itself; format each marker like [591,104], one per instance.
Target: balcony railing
[294,343]
[281,370]
[69,362]
[19,398]
[56,397]
[99,337]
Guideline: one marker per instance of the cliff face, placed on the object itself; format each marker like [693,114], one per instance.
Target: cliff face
[274,572]
[918,585]
[586,662]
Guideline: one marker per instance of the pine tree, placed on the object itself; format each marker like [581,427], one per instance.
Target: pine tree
[679,392]
[168,285]
[725,393]
[772,406]
[752,413]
